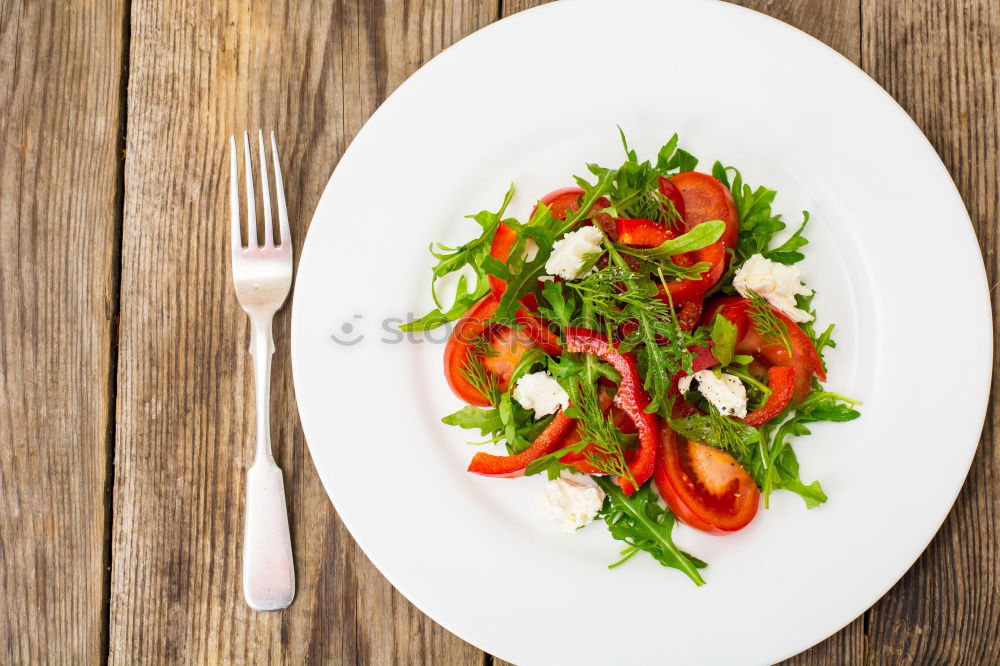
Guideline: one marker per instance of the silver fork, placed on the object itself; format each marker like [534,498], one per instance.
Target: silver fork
[262,274]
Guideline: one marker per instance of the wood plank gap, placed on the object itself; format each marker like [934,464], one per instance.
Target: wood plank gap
[113,315]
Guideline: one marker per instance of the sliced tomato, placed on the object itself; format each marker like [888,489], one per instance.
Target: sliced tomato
[560,202]
[705,199]
[671,192]
[705,486]
[804,358]
[507,347]
[642,233]
[538,332]
[503,240]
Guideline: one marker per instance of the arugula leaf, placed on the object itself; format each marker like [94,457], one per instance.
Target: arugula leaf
[488,421]
[787,252]
[786,467]
[558,310]
[644,525]
[822,340]
[635,185]
[452,259]
[757,223]
[723,339]
[774,465]
[672,159]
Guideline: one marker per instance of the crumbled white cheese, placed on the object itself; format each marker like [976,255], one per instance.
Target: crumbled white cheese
[569,252]
[572,504]
[727,392]
[777,283]
[541,392]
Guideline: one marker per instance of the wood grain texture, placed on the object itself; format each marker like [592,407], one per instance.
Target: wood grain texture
[60,68]
[313,71]
[941,61]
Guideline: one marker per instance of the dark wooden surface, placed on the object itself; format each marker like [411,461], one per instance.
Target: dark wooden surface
[122,473]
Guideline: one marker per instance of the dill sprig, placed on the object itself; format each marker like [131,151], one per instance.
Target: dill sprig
[598,428]
[619,296]
[768,326]
[484,382]
[482,347]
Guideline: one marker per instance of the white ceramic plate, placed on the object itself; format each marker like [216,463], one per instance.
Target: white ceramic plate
[530,99]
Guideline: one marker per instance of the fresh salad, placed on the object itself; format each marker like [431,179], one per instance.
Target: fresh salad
[646,342]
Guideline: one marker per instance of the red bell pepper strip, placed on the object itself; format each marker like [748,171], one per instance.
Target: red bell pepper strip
[487,464]
[781,379]
[631,398]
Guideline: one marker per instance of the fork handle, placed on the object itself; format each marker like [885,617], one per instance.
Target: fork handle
[268,569]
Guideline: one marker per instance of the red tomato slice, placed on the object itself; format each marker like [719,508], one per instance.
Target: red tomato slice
[705,199]
[804,358]
[704,485]
[508,345]
[670,191]
[560,202]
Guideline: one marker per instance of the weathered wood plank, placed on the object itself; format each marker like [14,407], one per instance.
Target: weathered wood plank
[941,61]
[314,71]
[60,64]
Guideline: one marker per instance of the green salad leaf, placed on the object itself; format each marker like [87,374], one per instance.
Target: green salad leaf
[645,526]
[454,259]
[774,465]
[723,339]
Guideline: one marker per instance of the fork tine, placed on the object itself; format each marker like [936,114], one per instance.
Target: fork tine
[234,196]
[251,201]
[279,193]
[266,194]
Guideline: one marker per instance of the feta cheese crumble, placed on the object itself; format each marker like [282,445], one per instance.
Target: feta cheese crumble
[541,392]
[572,504]
[777,283]
[727,392]
[569,252]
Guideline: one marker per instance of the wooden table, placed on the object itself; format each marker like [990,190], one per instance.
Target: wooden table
[125,391]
